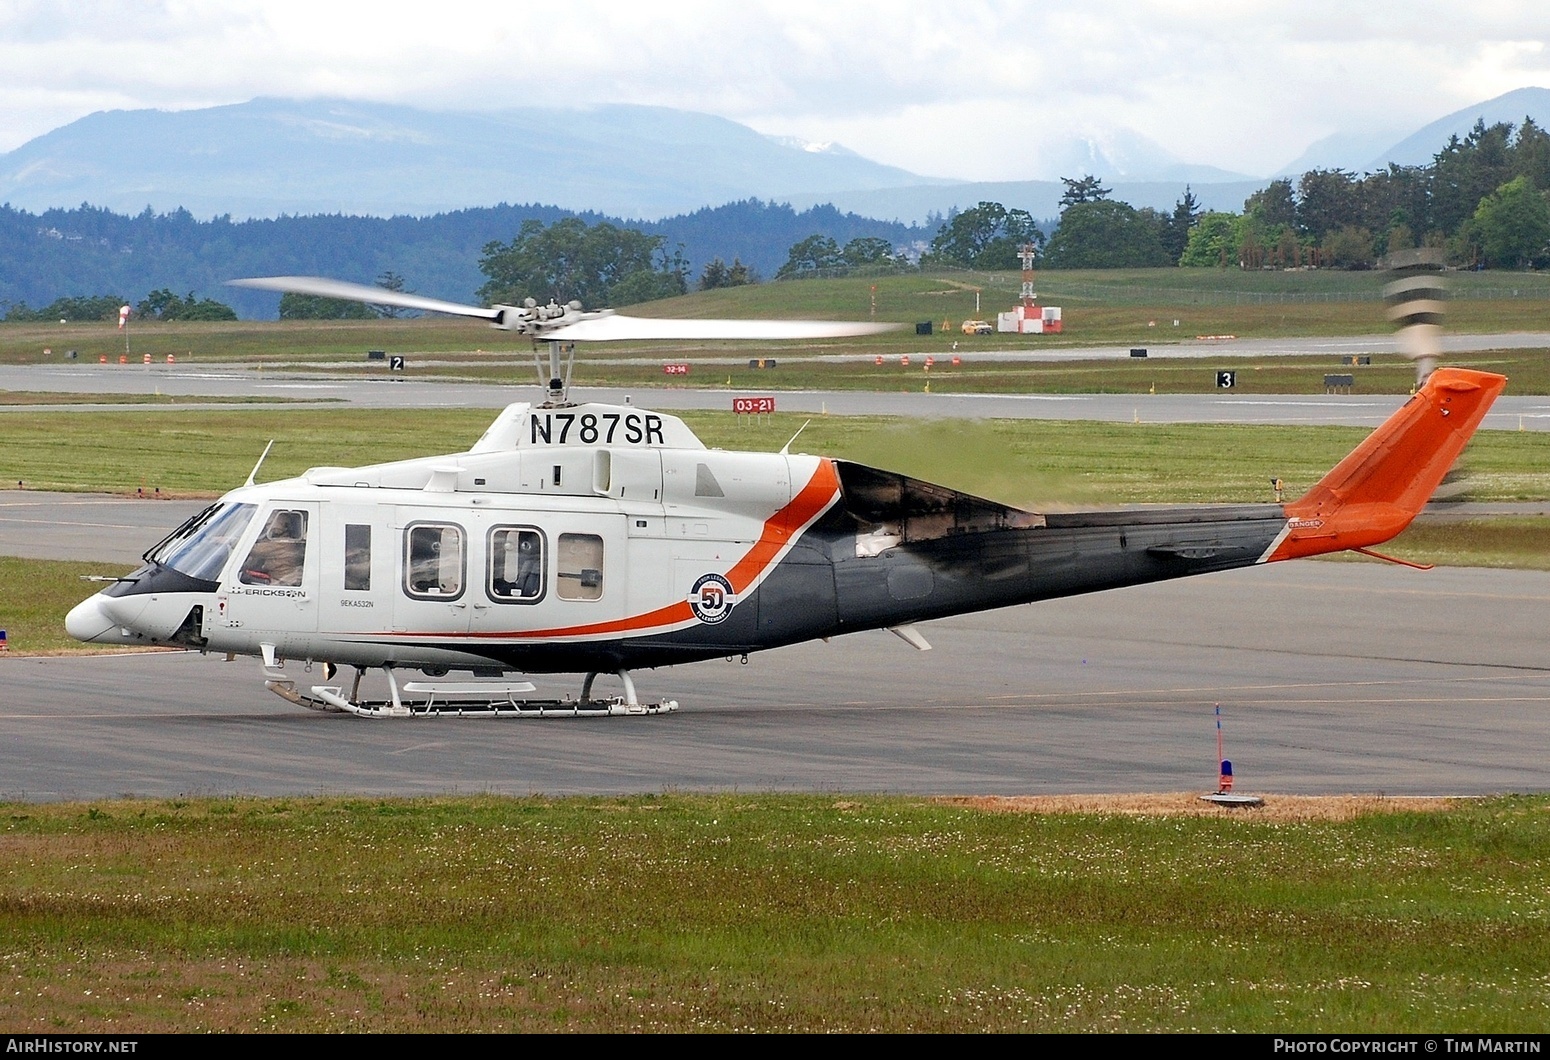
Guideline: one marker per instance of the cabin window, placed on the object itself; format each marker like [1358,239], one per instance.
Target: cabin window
[516,564]
[280,553]
[357,556]
[433,561]
[579,567]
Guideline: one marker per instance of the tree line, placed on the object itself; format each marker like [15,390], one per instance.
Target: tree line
[161,304]
[86,249]
[1094,232]
[1483,200]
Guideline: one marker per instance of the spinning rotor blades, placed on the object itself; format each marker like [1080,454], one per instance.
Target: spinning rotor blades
[611,327]
[360,292]
[569,323]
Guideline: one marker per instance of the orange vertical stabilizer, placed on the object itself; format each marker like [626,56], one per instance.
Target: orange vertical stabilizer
[1374,493]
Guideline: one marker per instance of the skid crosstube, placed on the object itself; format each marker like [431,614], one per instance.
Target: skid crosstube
[427,700]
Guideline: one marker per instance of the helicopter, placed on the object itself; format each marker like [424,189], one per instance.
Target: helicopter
[597,539]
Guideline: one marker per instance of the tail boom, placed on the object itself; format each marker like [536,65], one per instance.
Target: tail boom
[1375,492]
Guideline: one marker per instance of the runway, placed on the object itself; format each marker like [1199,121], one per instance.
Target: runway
[35,524]
[1333,678]
[206,387]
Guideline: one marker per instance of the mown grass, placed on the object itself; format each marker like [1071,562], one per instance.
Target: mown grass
[1197,294]
[200,342]
[1512,542]
[1023,462]
[1134,307]
[45,397]
[204,452]
[35,596]
[738,912]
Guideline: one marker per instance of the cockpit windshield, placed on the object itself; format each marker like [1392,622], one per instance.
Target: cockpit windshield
[200,547]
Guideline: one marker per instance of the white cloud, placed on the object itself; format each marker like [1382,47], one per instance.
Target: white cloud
[967,89]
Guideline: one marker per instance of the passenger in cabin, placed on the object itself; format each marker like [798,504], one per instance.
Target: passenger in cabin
[528,567]
[424,575]
[435,561]
[517,571]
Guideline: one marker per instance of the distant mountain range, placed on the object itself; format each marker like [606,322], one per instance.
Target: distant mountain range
[1143,173]
[1359,153]
[270,157]
[1124,156]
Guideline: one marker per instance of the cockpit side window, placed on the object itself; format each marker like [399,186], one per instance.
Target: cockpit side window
[280,553]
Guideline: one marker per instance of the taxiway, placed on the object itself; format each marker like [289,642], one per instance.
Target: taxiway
[1333,677]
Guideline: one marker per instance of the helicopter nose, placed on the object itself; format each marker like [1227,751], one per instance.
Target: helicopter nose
[87,621]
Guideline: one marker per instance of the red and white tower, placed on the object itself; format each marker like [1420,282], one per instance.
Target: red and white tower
[1028,318]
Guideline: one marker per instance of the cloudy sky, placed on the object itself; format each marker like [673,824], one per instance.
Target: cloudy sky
[972,90]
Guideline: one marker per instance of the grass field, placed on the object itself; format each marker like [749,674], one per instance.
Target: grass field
[1104,307]
[1030,463]
[35,596]
[198,342]
[771,913]
[907,296]
[44,397]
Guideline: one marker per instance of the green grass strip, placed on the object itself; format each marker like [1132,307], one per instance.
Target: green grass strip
[769,913]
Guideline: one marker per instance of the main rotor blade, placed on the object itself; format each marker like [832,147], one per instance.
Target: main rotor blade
[614,328]
[360,292]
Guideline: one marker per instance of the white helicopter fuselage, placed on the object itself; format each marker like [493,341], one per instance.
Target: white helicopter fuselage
[600,539]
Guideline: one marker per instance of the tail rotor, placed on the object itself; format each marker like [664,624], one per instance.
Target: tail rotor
[1417,294]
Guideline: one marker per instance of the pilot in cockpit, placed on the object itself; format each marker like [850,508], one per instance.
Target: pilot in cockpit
[280,552]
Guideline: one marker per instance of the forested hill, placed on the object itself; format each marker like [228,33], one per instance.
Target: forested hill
[89,251]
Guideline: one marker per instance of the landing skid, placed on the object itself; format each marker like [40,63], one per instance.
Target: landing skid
[473,699]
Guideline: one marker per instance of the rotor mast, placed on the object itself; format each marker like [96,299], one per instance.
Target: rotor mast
[559,382]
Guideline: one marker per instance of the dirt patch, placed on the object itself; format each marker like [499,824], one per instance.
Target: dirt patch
[1189,804]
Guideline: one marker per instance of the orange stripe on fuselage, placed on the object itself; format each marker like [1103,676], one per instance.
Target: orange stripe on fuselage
[817,495]
[779,530]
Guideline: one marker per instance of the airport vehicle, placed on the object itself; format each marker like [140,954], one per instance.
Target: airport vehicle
[977,327]
[599,539]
